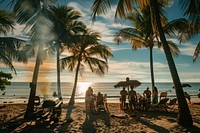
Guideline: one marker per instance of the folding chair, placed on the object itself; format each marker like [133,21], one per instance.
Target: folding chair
[162,105]
[172,103]
[163,95]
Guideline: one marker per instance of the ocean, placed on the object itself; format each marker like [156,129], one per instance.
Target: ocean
[19,91]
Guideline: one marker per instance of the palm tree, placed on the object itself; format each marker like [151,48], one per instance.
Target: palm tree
[142,35]
[10,47]
[184,117]
[37,26]
[126,6]
[87,51]
[65,23]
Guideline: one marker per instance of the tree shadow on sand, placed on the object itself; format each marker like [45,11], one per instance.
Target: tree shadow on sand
[92,119]
[63,125]
[146,117]
[33,124]
[150,124]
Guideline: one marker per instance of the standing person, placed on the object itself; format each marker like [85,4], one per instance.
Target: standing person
[132,95]
[155,95]
[123,94]
[147,95]
[199,94]
[88,98]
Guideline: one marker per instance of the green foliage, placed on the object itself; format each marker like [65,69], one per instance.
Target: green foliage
[4,80]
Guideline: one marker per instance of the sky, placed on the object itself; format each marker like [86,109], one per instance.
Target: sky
[125,61]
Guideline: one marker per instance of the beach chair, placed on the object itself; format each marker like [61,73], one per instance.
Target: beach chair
[171,103]
[37,100]
[37,103]
[163,95]
[162,105]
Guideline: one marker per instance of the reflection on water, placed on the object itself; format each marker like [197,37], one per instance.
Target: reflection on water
[82,87]
[21,90]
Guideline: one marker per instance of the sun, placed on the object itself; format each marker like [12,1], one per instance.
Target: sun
[82,87]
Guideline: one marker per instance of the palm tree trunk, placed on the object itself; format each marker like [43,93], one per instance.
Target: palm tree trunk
[184,117]
[151,66]
[58,73]
[33,84]
[72,101]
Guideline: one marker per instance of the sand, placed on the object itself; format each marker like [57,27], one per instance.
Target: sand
[114,121]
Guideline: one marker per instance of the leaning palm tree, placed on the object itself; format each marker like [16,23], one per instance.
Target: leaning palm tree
[87,51]
[142,35]
[184,116]
[126,6]
[10,47]
[65,21]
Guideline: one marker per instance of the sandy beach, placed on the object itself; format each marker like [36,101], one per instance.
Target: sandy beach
[114,121]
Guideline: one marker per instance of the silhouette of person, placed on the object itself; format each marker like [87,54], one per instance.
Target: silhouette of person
[123,94]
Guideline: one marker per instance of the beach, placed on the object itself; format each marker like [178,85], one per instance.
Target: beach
[114,121]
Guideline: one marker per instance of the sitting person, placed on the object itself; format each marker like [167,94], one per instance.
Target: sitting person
[54,94]
[155,95]
[142,102]
[187,96]
[100,99]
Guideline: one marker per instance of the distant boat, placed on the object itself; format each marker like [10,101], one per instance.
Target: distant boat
[3,93]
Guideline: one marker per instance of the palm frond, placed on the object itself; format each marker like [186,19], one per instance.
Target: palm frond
[4,57]
[123,8]
[131,35]
[14,48]
[196,52]
[69,62]
[191,9]
[96,65]
[6,22]
[173,48]
[177,26]
[100,7]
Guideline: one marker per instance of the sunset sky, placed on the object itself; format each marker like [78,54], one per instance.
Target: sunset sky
[125,63]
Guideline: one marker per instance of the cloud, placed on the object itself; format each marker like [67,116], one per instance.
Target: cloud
[118,70]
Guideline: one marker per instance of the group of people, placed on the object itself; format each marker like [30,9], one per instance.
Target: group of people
[94,102]
[132,96]
[135,100]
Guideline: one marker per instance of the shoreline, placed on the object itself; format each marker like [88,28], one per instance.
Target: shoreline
[110,99]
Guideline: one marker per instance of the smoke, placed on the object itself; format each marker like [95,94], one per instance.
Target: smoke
[42,35]
[43,88]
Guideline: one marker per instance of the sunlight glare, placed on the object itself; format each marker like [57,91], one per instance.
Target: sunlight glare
[82,87]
